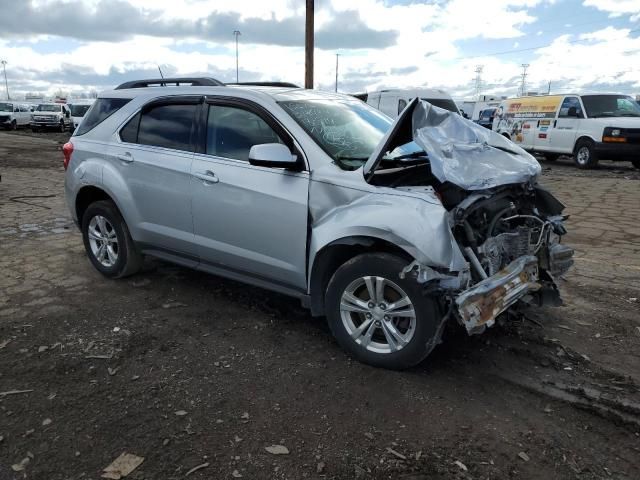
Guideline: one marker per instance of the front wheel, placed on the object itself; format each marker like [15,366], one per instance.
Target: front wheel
[108,242]
[379,318]
[14,125]
[62,128]
[585,154]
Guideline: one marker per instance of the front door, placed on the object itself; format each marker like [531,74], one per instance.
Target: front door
[248,219]
[565,128]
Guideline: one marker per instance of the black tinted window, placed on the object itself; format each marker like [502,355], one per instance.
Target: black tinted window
[102,109]
[231,132]
[167,126]
[570,108]
[129,132]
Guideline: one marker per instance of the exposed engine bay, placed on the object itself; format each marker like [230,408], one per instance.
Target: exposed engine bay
[510,235]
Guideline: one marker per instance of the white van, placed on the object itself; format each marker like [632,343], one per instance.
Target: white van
[14,115]
[589,127]
[392,102]
[78,109]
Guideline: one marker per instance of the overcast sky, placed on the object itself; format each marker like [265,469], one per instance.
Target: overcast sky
[79,45]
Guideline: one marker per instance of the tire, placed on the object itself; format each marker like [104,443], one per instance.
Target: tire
[119,258]
[14,125]
[636,163]
[62,127]
[551,157]
[585,154]
[419,333]
[35,129]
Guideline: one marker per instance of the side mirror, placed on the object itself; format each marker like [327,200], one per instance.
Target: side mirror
[272,155]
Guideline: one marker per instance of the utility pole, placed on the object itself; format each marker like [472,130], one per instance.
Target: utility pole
[6,84]
[549,89]
[308,46]
[478,71]
[337,56]
[523,85]
[237,34]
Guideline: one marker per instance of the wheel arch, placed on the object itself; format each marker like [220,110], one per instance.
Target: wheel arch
[88,195]
[582,138]
[330,257]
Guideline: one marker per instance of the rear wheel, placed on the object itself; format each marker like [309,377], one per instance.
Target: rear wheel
[14,125]
[379,318]
[108,242]
[585,155]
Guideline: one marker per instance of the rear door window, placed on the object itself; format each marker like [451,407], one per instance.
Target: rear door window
[102,109]
[167,126]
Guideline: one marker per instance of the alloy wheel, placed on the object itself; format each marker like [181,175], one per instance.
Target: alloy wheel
[103,241]
[378,314]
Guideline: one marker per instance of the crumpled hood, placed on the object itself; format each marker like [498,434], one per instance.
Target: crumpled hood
[460,151]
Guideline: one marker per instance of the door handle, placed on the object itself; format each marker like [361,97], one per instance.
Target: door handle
[207,177]
[554,123]
[125,157]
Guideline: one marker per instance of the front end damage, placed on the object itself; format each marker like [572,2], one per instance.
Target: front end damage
[507,227]
[512,246]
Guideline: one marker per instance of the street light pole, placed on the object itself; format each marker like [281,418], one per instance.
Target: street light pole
[6,84]
[337,56]
[237,33]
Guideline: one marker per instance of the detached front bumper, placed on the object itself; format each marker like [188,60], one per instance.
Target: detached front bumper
[479,306]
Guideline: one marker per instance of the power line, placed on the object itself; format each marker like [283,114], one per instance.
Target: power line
[507,52]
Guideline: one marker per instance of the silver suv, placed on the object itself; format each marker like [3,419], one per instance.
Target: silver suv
[390,229]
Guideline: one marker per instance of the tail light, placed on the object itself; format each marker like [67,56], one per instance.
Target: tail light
[67,150]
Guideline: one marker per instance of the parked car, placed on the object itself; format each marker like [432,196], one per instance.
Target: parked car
[485,118]
[14,115]
[392,102]
[51,115]
[319,196]
[78,110]
[589,127]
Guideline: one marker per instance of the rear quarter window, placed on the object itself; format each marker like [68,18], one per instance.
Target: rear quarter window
[102,109]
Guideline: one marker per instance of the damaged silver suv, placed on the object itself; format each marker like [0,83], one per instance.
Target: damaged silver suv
[390,229]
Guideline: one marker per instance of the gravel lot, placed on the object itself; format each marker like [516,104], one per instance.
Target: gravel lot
[188,370]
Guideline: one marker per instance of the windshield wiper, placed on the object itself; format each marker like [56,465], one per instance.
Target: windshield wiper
[417,154]
[629,114]
[354,159]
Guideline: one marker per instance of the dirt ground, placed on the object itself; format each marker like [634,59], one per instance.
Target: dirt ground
[190,370]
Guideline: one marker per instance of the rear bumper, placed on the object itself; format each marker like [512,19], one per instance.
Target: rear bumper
[479,306]
[618,151]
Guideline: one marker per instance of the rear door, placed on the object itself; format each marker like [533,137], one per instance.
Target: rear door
[248,219]
[562,136]
[154,157]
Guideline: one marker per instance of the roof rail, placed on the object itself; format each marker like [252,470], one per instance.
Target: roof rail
[163,82]
[267,84]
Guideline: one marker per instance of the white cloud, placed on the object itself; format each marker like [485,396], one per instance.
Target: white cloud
[426,51]
[617,8]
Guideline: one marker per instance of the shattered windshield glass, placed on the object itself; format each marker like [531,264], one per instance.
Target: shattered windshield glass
[467,154]
[348,131]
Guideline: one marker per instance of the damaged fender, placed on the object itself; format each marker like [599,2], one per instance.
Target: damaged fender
[415,222]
